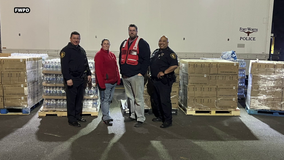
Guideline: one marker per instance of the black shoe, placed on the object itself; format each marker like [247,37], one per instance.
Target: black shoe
[166,125]
[157,119]
[138,124]
[107,122]
[82,120]
[129,119]
[75,124]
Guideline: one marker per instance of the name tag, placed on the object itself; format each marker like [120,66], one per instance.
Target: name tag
[133,53]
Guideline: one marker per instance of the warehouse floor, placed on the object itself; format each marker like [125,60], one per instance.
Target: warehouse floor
[190,137]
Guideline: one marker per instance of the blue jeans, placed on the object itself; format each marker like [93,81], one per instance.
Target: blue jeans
[106,97]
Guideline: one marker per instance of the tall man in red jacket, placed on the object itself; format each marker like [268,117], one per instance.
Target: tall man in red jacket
[134,60]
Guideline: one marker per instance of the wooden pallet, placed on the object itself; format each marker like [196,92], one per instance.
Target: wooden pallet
[63,113]
[223,112]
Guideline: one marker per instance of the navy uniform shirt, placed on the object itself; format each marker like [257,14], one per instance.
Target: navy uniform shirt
[74,62]
[161,60]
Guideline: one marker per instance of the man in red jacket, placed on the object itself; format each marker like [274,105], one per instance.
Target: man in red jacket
[134,60]
[107,77]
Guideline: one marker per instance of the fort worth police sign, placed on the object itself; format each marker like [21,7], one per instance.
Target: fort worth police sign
[248,31]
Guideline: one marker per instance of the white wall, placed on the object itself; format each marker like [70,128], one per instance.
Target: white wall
[205,24]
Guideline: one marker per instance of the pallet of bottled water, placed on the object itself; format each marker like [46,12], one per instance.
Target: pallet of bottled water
[54,93]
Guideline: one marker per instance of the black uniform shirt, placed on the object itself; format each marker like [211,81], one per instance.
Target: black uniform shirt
[161,60]
[74,61]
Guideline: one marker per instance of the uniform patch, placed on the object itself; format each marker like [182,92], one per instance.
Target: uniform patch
[62,54]
[162,54]
[173,56]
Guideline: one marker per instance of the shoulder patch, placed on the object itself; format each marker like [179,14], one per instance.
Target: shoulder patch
[62,54]
[173,56]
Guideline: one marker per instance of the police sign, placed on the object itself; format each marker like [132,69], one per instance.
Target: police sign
[248,31]
[22,10]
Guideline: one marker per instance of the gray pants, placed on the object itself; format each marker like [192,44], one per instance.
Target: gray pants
[134,88]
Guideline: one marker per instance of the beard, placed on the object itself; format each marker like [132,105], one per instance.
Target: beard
[132,36]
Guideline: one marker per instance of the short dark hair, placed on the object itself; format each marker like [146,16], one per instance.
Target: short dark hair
[104,40]
[133,25]
[74,33]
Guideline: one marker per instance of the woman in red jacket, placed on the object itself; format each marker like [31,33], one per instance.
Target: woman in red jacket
[107,76]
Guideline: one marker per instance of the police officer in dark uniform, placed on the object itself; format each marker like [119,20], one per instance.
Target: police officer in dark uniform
[76,74]
[163,63]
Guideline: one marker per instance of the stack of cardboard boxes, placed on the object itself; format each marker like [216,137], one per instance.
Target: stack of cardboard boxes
[208,84]
[175,90]
[21,81]
[265,86]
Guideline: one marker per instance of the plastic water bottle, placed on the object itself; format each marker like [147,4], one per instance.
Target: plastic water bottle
[63,92]
[64,103]
[61,78]
[53,79]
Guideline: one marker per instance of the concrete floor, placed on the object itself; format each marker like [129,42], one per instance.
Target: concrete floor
[222,138]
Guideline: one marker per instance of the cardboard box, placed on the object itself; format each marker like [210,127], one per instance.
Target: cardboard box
[175,92]
[15,91]
[267,91]
[195,66]
[175,85]
[147,102]
[1,102]
[5,54]
[16,101]
[174,102]
[197,79]
[202,68]
[205,91]
[19,63]
[279,68]
[201,102]
[262,67]
[228,67]
[227,102]
[227,91]
[214,68]
[13,77]
[266,80]
[1,91]
[191,90]
[223,80]
[265,103]
[177,70]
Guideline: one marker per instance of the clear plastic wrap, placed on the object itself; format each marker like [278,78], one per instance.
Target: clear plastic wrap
[265,85]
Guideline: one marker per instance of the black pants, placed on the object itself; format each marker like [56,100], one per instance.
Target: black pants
[75,95]
[162,107]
